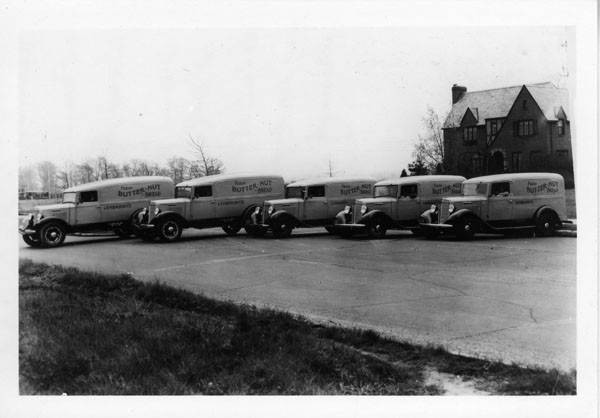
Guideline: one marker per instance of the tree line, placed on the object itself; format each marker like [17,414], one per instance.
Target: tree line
[50,178]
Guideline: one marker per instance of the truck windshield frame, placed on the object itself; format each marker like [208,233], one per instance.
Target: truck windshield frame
[475,189]
[294,192]
[390,190]
[183,191]
[69,197]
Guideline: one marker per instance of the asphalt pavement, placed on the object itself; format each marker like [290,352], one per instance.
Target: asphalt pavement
[502,298]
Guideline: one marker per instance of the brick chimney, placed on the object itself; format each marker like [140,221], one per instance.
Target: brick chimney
[457,92]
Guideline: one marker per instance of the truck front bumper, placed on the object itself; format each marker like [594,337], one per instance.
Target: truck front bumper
[27,231]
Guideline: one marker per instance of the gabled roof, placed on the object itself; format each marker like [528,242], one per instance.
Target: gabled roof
[496,103]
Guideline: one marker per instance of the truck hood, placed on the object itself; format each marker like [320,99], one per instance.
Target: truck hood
[52,208]
[284,202]
[374,201]
[462,199]
[174,201]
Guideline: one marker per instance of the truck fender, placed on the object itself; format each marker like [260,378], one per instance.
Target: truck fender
[170,214]
[44,221]
[543,209]
[366,218]
[460,214]
[282,213]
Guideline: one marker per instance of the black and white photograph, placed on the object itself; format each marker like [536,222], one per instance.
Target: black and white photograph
[259,208]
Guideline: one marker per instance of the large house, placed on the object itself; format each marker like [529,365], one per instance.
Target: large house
[510,129]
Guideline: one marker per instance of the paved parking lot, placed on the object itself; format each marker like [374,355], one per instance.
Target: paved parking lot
[512,299]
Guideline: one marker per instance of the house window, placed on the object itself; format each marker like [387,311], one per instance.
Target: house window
[203,191]
[470,135]
[88,197]
[524,128]
[516,161]
[561,127]
[492,127]
[476,161]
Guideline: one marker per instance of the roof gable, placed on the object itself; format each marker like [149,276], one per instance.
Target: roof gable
[496,103]
[470,118]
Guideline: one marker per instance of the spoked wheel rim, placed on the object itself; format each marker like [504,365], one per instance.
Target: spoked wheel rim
[170,230]
[378,229]
[53,235]
[32,240]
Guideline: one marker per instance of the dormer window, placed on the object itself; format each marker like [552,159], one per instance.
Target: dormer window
[561,127]
[470,135]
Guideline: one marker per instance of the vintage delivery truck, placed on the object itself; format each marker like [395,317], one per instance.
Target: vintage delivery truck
[107,205]
[501,204]
[223,200]
[396,204]
[309,203]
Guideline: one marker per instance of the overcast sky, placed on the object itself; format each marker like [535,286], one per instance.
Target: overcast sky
[281,100]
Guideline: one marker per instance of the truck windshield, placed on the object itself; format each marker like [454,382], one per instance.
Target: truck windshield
[474,189]
[294,192]
[183,192]
[70,197]
[386,191]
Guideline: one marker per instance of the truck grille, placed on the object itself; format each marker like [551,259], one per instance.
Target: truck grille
[356,215]
[443,212]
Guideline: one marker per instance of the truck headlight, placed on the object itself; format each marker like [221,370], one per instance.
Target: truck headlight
[347,209]
[433,207]
[363,209]
[450,208]
[257,210]
[270,210]
[156,211]
[39,217]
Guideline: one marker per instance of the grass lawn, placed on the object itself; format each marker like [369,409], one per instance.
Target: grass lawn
[91,334]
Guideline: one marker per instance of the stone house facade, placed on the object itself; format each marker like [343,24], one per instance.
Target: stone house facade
[511,129]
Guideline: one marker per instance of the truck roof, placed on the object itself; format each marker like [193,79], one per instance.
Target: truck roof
[217,178]
[330,180]
[516,176]
[116,182]
[419,179]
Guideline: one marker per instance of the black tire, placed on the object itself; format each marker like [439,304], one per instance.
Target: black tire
[465,228]
[377,227]
[32,240]
[232,229]
[52,235]
[546,224]
[255,230]
[282,227]
[170,230]
[330,230]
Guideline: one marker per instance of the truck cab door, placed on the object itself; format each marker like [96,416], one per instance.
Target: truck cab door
[315,204]
[500,202]
[408,204]
[87,210]
[203,204]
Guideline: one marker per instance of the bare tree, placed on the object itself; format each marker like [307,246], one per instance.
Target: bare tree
[429,149]
[47,176]
[208,165]
[178,168]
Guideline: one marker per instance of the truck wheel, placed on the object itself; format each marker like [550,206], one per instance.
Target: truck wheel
[170,230]
[32,240]
[282,227]
[465,228]
[377,227]
[52,235]
[232,229]
[430,233]
[330,230]
[545,224]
